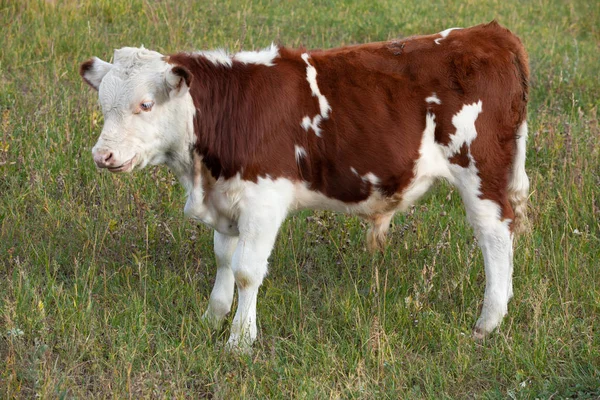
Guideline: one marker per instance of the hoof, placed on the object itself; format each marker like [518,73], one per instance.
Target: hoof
[238,345]
[479,334]
[486,325]
[490,319]
[213,321]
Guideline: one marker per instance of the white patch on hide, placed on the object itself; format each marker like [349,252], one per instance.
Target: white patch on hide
[306,198]
[444,34]
[313,124]
[371,178]
[433,99]
[432,164]
[324,108]
[217,57]
[222,57]
[264,57]
[464,122]
[299,152]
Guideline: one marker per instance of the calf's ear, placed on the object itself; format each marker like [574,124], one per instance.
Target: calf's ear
[93,71]
[178,80]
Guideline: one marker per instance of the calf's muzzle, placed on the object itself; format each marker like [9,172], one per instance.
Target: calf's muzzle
[104,158]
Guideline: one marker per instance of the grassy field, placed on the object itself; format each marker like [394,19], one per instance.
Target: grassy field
[102,281]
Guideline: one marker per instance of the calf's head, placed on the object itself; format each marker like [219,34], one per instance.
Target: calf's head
[146,105]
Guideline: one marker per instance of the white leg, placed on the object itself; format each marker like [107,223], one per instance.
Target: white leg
[243,327]
[258,227]
[221,296]
[495,241]
[249,269]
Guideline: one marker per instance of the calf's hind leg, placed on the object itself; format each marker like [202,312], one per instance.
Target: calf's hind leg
[490,221]
[495,241]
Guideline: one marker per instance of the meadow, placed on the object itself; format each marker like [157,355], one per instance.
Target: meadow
[103,282]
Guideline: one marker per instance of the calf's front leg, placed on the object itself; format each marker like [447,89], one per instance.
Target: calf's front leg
[221,296]
[258,232]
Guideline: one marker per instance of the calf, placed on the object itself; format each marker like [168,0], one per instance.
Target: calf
[363,129]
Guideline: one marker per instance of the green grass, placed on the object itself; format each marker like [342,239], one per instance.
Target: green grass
[102,281]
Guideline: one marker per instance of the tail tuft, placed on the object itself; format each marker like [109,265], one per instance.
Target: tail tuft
[518,187]
[377,234]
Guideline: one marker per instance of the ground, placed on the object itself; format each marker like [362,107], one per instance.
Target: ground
[103,282]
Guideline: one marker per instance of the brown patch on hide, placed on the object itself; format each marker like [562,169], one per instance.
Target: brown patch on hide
[248,116]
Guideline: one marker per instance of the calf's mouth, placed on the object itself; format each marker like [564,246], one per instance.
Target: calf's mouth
[125,167]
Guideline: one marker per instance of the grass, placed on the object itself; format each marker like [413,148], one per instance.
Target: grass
[102,281]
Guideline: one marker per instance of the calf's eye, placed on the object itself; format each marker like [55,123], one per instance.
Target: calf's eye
[146,105]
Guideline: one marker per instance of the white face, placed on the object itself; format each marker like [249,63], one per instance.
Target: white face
[146,105]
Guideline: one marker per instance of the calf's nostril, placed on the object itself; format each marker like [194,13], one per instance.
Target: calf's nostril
[104,158]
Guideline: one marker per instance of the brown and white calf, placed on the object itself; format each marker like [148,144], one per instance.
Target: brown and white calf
[363,129]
